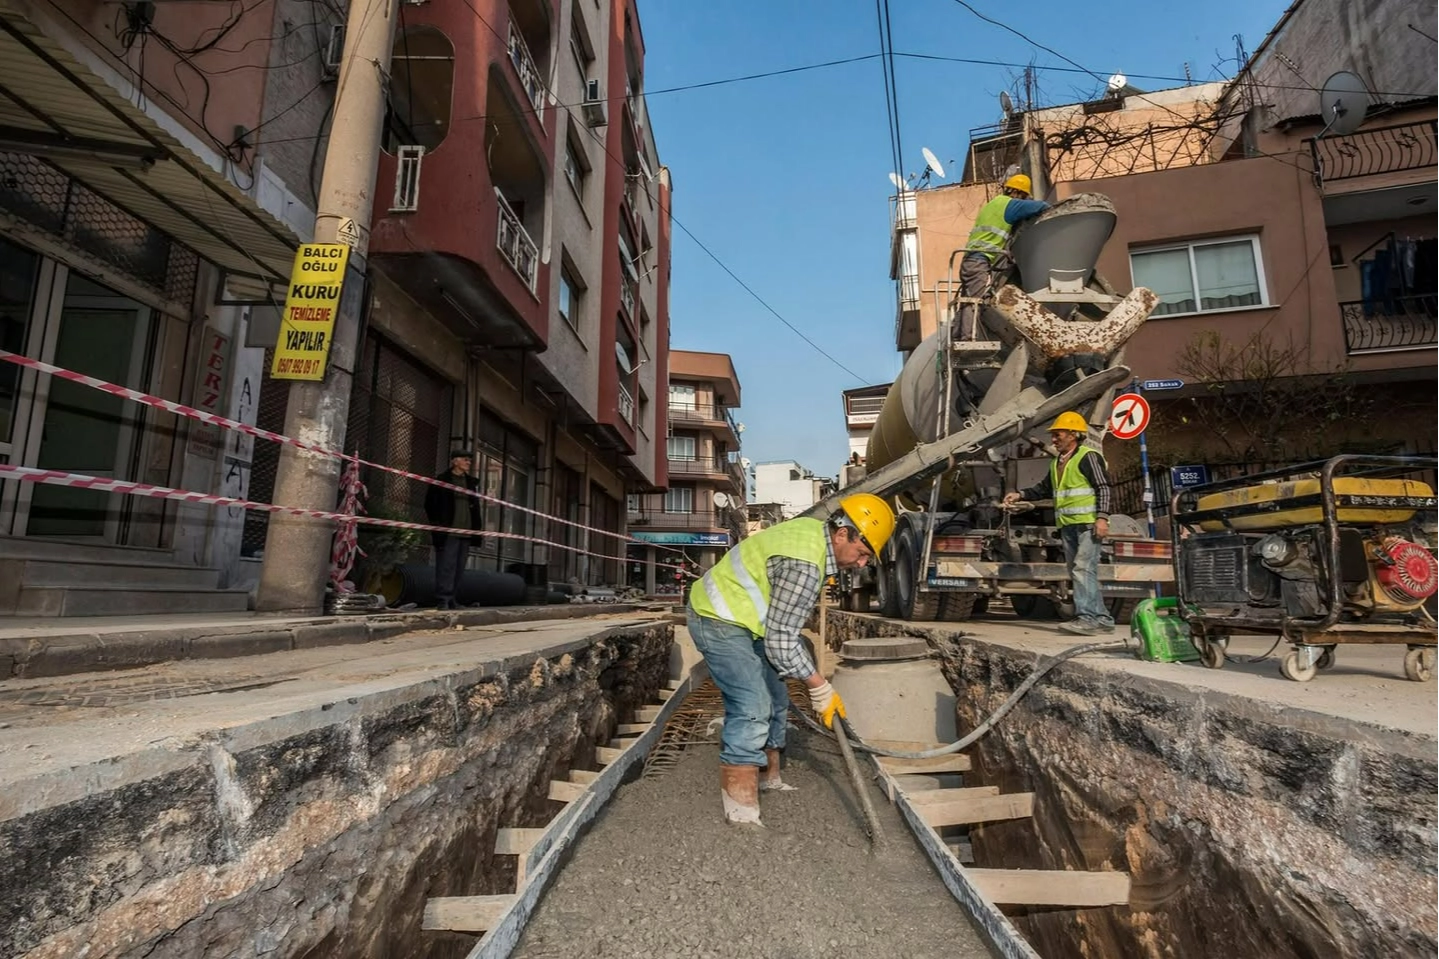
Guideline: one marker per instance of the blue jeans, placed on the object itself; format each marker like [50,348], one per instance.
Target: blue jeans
[1081,553]
[755,698]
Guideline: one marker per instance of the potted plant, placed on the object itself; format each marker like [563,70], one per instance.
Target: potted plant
[384,549]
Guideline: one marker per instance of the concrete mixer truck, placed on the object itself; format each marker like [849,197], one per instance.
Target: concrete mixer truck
[961,424]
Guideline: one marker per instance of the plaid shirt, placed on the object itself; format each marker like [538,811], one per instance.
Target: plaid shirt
[794,588]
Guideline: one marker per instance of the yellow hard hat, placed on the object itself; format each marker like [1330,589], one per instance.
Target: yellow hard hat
[871,516]
[1019,182]
[1071,421]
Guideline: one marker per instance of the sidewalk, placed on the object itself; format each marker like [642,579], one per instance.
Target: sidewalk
[32,647]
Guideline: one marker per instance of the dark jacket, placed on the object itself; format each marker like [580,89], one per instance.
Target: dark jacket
[440,506]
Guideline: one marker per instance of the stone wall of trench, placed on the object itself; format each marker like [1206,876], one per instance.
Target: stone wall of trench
[326,842]
[1248,831]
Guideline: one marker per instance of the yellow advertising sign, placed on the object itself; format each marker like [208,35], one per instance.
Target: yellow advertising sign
[308,323]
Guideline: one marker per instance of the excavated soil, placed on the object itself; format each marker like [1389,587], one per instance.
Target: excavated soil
[662,875]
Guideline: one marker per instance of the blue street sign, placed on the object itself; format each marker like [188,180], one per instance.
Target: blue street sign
[1163,384]
[1184,476]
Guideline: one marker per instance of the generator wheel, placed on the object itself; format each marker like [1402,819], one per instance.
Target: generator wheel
[1211,649]
[1419,664]
[1326,658]
[1291,669]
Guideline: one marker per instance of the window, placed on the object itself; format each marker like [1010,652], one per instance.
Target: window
[571,295]
[682,397]
[680,447]
[1202,277]
[580,46]
[577,167]
[680,499]
[422,75]
[632,502]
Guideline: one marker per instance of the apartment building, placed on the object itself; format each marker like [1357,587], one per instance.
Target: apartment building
[1264,232]
[791,486]
[702,512]
[516,292]
[861,411]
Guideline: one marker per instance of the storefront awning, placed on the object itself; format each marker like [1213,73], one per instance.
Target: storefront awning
[60,101]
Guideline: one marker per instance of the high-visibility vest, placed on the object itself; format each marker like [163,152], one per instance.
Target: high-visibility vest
[736,589]
[990,235]
[1075,501]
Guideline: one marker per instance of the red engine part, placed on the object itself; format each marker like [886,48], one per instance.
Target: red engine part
[1410,573]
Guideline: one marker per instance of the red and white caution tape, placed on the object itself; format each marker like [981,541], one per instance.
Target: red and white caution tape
[180,409]
[30,474]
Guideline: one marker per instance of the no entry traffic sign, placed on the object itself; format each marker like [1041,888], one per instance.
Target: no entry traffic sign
[1130,416]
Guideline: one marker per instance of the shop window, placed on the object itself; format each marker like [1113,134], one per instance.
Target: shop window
[422,79]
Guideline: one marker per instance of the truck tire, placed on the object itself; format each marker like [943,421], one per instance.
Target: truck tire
[916,606]
[958,607]
[1030,606]
[884,587]
[1122,609]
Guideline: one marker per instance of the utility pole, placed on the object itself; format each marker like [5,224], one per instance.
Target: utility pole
[297,550]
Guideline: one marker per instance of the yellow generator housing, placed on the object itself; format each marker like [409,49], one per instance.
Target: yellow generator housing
[1260,493]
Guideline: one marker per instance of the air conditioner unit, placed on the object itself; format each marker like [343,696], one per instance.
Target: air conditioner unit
[594,104]
[334,51]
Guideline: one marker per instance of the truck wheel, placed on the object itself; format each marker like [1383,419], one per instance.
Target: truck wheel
[884,586]
[958,607]
[916,606]
[1122,609]
[1030,606]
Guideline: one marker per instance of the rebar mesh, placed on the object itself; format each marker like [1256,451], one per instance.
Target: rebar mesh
[696,722]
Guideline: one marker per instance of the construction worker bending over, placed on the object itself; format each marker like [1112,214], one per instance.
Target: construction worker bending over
[1078,483]
[745,616]
[989,239]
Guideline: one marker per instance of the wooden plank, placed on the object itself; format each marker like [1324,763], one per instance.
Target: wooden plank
[930,797]
[633,729]
[622,742]
[956,812]
[584,776]
[906,745]
[604,755]
[674,684]
[648,714]
[1051,887]
[939,764]
[664,695]
[566,792]
[465,913]
[516,842]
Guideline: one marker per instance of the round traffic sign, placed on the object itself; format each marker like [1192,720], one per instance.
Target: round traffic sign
[1130,416]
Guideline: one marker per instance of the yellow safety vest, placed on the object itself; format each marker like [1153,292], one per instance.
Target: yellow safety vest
[736,589]
[990,235]
[1075,501]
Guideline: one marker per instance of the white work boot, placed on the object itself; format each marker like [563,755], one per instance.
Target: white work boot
[739,790]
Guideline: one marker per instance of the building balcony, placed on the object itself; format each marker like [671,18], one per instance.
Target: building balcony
[625,402]
[709,520]
[514,243]
[715,417]
[525,69]
[706,467]
[1400,323]
[1385,150]
[627,297]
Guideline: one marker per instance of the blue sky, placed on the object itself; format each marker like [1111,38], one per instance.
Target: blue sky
[785,180]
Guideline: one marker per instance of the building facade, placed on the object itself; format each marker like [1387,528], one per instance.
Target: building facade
[149,214]
[790,485]
[861,411]
[690,525]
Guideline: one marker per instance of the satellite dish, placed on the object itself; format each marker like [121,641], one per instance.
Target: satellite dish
[932,162]
[1005,103]
[623,355]
[721,500]
[1343,101]
[739,427]
[1117,82]
[898,181]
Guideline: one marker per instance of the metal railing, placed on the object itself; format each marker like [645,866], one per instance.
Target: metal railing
[515,244]
[659,519]
[901,211]
[627,295]
[1404,146]
[1386,326]
[909,291]
[697,464]
[626,405]
[525,67]
[703,413]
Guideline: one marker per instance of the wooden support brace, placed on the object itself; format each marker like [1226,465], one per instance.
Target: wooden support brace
[632,729]
[516,842]
[604,755]
[939,764]
[1046,887]
[583,776]
[565,792]
[665,695]
[647,714]
[957,812]
[931,797]
[674,684]
[465,913]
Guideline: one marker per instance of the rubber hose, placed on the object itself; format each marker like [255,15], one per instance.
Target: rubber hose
[841,733]
[979,731]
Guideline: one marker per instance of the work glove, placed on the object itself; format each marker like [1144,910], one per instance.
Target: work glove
[826,703]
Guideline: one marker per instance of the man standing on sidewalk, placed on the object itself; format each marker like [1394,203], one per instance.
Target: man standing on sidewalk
[453,510]
[745,617]
[1078,483]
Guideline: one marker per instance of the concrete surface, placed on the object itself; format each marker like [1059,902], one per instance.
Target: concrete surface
[297,803]
[662,875]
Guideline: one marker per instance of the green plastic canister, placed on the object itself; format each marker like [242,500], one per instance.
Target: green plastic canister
[1161,633]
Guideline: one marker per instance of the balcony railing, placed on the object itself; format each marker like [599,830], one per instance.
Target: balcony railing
[704,414]
[1405,146]
[515,244]
[1401,323]
[901,211]
[909,291]
[627,295]
[626,405]
[704,464]
[525,67]
[659,519]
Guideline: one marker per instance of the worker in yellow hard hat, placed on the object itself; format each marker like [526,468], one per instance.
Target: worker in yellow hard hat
[745,617]
[1078,482]
[989,239]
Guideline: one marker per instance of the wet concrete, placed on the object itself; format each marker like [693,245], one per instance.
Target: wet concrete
[661,875]
[1251,826]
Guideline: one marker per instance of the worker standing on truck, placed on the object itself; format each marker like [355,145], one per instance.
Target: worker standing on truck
[989,239]
[1078,482]
[745,617]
